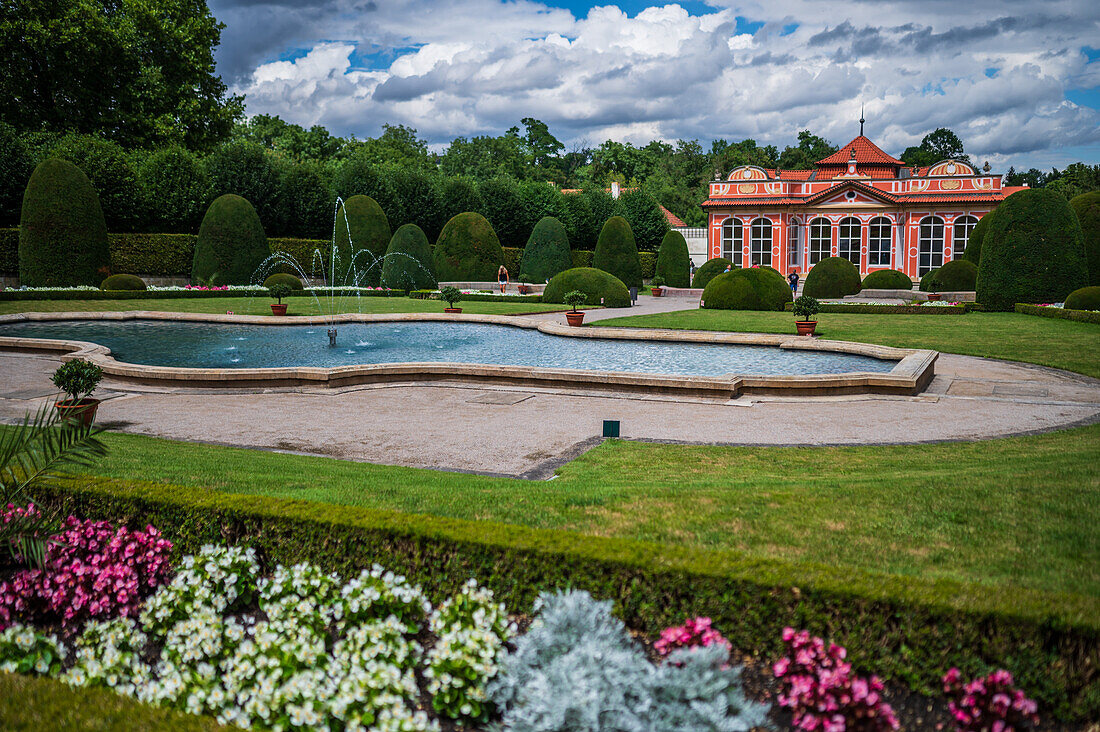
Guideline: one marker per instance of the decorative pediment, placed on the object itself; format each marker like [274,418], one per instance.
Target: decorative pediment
[852,193]
[948,168]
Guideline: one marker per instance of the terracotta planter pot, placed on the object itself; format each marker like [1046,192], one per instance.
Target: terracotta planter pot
[575,319]
[657,291]
[452,310]
[805,327]
[77,414]
[522,289]
[278,309]
[933,296]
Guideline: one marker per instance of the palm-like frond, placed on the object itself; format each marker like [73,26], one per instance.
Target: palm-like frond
[40,449]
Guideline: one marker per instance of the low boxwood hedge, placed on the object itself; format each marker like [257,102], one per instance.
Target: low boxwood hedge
[903,628]
[1081,316]
[476,297]
[836,307]
[1084,298]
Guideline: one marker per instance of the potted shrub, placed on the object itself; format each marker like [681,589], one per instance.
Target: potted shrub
[279,291]
[77,379]
[575,299]
[452,295]
[656,286]
[804,309]
[522,284]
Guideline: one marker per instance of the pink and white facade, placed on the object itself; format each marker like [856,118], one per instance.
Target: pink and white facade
[859,203]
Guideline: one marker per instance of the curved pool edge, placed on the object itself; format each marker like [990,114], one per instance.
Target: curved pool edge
[911,374]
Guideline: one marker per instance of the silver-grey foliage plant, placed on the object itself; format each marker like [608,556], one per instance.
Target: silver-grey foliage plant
[577,669]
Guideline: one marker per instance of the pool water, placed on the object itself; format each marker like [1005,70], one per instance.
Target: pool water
[228,346]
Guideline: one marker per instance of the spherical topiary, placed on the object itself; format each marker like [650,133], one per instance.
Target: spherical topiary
[598,285]
[973,251]
[231,244]
[123,282]
[1084,298]
[887,279]
[710,269]
[1087,208]
[369,229]
[408,262]
[756,288]
[62,234]
[467,250]
[283,278]
[957,276]
[547,251]
[832,277]
[617,254]
[928,280]
[673,262]
[1033,251]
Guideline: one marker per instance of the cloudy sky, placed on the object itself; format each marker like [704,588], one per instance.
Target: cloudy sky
[1017,80]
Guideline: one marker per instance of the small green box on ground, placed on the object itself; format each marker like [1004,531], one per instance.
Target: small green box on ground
[611,428]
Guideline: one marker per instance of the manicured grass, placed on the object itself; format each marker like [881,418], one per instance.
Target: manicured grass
[1059,343]
[1019,512]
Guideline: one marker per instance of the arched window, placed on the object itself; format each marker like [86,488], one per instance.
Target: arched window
[930,248]
[962,228]
[794,241]
[878,242]
[821,240]
[731,240]
[760,242]
[848,240]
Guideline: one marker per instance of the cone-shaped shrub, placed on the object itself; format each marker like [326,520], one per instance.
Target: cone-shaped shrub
[123,282]
[408,262]
[231,244]
[1087,208]
[710,269]
[1085,298]
[887,279]
[547,251]
[757,288]
[369,230]
[617,254]
[62,235]
[467,250]
[598,285]
[832,277]
[957,276]
[973,251]
[673,262]
[1033,252]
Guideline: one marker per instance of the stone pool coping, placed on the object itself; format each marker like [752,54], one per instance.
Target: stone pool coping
[911,374]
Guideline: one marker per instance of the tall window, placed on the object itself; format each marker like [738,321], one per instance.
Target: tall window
[963,226]
[794,248]
[848,240]
[760,242]
[878,242]
[731,240]
[821,240]
[930,245]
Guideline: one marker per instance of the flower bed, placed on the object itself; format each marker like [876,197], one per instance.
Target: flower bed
[1056,311]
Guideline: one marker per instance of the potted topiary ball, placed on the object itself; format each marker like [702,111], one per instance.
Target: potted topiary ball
[575,299]
[657,286]
[522,285]
[451,294]
[279,291]
[77,379]
[804,309]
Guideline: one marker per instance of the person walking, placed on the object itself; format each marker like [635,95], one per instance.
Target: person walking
[793,279]
[502,278]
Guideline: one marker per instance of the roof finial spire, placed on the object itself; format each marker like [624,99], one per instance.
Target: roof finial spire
[861,120]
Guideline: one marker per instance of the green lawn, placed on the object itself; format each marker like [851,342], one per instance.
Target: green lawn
[1018,512]
[1046,341]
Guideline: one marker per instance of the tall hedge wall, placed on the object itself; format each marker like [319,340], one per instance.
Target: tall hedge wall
[1087,208]
[467,250]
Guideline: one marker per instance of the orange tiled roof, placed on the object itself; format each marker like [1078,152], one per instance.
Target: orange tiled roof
[673,219]
[866,151]
[1009,190]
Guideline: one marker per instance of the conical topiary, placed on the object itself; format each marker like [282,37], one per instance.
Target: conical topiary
[369,229]
[62,234]
[547,251]
[231,244]
[408,261]
[973,251]
[468,250]
[616,252]
[673,262]
[1087,208]
[832,277]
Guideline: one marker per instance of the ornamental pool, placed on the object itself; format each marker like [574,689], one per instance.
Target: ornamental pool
[239,346]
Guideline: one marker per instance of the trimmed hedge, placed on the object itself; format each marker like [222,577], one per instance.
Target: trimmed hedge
[157,255]
[928,280]
[1081,316]
[123,282]
[837,307]
[16,295]
[887,279]
[973,251]
[467,250]
[673,261]
[1085,298]
[231,244]
[1087,208]
[907,629]
[282,278]
[595,283]
[747,289]
[370,230]
[477,297]
[9,252]
[408,262]
[710,269]
[832,277]
[959,275]
[547,251]
[617,253]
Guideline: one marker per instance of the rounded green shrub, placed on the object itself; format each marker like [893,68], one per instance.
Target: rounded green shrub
[596,284]
[547,251]
[123,282]
[928,280]
[467,250]
[62,234]
[973,251]
[231,243]
[283,278]
[361,226]
[756,288]
[1087,208]
[1083,298]
[616,252]
[887,279]
[710,269]
[832,277]
[957,276]
[673,262]
[408,261]
[1033,252]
